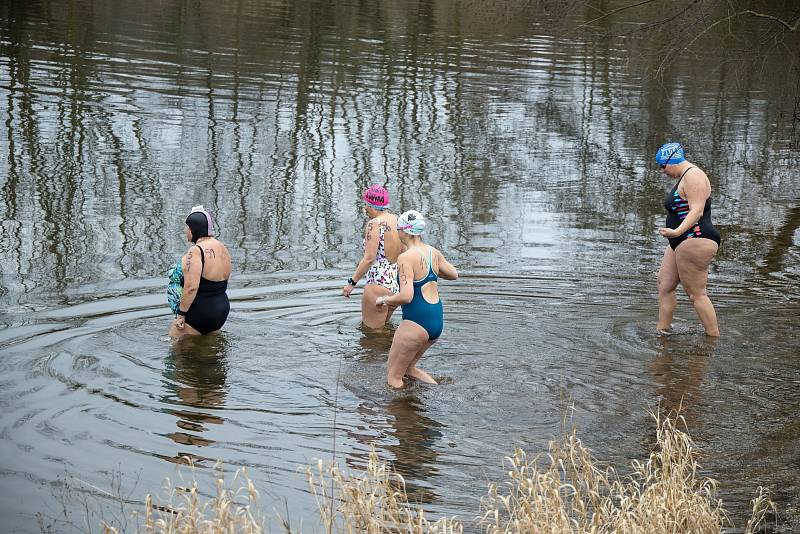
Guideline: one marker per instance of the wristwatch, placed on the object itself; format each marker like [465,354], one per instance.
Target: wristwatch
[351,282]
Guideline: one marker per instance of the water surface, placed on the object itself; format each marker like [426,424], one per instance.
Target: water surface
[530,151]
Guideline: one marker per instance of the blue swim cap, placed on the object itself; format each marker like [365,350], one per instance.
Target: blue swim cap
[670,153]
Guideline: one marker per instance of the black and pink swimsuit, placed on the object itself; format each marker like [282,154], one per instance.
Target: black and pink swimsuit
[678,208]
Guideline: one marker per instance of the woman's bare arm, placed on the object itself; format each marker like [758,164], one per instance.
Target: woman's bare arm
[405,272]
[371,238]
[192,269]
[446,269]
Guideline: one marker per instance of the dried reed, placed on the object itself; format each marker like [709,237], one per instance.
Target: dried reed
[373,503]
[234,509]
[564,491]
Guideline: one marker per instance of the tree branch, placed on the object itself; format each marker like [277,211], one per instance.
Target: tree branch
[738,14]
[791,27]
[696,37]
[604,15]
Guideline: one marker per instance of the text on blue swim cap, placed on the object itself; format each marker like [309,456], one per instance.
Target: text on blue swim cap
[670,153]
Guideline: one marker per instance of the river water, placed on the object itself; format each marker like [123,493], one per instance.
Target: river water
[526,138]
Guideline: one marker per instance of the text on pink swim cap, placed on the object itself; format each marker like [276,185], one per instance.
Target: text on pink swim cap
[377,196]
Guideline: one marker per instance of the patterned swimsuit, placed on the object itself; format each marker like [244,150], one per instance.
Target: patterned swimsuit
[383,272]
[677,210]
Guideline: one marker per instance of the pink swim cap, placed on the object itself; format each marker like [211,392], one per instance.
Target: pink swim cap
[376,196]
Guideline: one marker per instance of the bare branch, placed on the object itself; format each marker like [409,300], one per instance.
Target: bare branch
[661,22]
[725,19]
[604,15]
[698,36]
[791,27]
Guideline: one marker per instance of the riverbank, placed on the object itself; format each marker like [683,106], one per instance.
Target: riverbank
[564,490]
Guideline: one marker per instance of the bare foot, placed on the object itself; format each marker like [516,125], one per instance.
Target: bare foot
[396,385]
[418,374]
[665,331]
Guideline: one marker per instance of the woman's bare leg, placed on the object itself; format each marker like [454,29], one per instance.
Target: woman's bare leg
[693,257]
[374,316]
[668,279]
[415,372]
[409,339]
[175,332]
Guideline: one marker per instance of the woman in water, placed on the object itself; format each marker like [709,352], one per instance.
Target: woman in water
[381,248]
[693,240]
[419,268]
[204,305]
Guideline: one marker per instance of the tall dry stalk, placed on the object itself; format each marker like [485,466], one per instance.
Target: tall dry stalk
[373,503]
[565,491]
[235,508]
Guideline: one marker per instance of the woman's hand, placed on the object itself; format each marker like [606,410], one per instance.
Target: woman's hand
[381,301]
[347,289]
[180,322]
[669,233]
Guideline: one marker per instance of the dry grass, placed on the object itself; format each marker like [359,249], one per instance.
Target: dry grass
[564,491]
[235,508]
[372,503]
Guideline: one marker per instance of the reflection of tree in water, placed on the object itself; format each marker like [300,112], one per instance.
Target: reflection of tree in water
[679,371]
[427,96]
[195,372]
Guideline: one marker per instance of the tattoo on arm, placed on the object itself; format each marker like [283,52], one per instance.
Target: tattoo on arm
[403,277]
[189,262]
[369,231]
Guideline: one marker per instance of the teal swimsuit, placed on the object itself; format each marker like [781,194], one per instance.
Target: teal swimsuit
[428,316]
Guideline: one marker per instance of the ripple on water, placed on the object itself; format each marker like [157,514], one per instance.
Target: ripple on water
[263,394]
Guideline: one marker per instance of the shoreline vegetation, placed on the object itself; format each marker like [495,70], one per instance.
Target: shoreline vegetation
[565,490]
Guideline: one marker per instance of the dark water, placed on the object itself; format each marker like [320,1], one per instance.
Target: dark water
[531,156]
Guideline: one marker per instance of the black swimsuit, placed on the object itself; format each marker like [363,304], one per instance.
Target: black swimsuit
[210,307]
[678,208]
